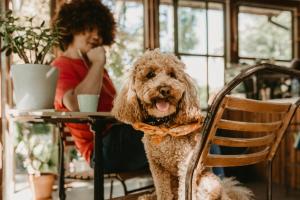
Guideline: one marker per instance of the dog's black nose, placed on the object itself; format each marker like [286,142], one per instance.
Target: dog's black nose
[165,91]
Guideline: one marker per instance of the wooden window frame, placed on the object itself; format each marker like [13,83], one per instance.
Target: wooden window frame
[207,55]
[289,5]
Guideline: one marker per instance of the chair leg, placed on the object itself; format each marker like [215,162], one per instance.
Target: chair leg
[61,191]
[124,186]
[269,177]
[111,189]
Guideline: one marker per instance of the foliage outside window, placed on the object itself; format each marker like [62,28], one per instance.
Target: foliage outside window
[36,148]
[200,41]
[129,39]
[265,33]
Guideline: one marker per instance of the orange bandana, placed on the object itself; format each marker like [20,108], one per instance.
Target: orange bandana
[158,133]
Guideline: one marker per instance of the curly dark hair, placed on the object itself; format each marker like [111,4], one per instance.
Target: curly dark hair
[82,15]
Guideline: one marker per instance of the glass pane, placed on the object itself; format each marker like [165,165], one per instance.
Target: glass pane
[215,74]
[216,29]
[192,28]
[32,8]
[129,39]
[166,27]
[265,33]
[196,68]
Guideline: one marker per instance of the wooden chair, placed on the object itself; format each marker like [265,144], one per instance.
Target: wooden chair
[66,141]
[259,135]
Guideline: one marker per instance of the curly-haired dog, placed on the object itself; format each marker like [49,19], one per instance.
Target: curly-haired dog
[160,93]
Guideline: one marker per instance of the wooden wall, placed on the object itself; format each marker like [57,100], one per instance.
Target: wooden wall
[285,169]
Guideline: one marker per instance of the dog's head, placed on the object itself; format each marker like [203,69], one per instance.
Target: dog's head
[158,90]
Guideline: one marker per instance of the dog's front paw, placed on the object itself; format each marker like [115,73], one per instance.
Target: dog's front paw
[148,197]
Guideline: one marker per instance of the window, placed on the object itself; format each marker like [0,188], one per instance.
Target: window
[265,33]
[129,15]
[198,38]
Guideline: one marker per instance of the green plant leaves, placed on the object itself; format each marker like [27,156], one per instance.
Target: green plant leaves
[30,42]
[36,147]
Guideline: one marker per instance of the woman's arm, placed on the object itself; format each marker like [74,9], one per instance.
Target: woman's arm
[92,83]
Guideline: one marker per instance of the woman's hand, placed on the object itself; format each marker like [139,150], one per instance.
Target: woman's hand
[97,56]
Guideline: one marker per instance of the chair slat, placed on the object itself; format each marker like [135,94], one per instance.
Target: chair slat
[244,142]
[251,105]
[214,160]
[249,126]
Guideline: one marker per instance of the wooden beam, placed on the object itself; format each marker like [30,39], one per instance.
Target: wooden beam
[3,127]
[151,24]
[233,37]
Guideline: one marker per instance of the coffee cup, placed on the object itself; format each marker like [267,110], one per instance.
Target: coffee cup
[88,102]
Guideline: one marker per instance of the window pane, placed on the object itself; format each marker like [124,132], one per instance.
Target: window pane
[265,33]
[192,28]
[196,68]
[32,8]
[215,74]
[166,28]
[216,29]
[129,39]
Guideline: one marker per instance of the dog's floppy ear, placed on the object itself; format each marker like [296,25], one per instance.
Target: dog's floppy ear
[189,108]
[126,106]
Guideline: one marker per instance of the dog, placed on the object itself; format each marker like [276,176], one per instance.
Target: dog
[157,97]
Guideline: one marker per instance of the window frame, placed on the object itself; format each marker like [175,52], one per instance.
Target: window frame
[207,55]
[293,11]
[233,56]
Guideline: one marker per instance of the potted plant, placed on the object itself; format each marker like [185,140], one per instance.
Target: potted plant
[34,80]
[39,153]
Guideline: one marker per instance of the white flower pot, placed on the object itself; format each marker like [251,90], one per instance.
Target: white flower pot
[34,86]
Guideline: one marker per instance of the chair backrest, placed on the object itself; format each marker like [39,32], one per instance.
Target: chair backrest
[260,133]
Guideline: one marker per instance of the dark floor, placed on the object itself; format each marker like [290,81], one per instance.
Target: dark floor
[84,191]
[279,192]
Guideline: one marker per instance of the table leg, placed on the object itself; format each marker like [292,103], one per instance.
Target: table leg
[61,189]
[97,126]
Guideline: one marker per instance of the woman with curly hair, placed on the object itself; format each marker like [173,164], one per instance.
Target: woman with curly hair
[86,26]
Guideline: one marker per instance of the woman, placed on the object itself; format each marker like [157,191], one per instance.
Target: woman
[88,25]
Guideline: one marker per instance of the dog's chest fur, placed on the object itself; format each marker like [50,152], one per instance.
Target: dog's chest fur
[169,153]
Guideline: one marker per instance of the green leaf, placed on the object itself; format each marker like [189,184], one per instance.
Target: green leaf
[8,13]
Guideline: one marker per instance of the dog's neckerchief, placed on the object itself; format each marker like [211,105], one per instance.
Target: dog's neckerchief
[158,133]
[153,121]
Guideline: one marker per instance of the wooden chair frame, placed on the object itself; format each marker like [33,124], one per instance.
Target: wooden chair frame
[214,120]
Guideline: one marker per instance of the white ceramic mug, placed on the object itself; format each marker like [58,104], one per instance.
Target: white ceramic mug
[88,102]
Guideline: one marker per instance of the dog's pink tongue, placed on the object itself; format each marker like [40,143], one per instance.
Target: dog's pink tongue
[162,106]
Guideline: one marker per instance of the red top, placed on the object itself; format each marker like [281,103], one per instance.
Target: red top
[71,73]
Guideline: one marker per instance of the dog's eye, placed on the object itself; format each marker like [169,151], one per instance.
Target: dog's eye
[172,74]
[150,75]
